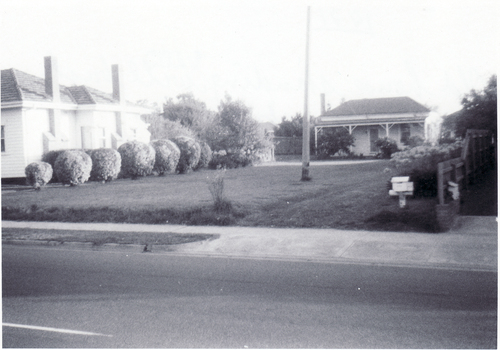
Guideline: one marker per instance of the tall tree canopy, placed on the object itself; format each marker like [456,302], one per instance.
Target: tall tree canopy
[479,109]
[290,128]
[237,130]
[187,110]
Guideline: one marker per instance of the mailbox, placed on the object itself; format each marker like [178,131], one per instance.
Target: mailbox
[402,184]
[402,187]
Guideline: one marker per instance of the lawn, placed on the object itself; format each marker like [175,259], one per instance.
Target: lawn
[346,195]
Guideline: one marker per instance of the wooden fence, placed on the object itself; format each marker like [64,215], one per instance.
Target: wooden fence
[477,153]
[477,157]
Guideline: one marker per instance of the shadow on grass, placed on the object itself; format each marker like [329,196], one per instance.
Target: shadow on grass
[420,217]
[193,216]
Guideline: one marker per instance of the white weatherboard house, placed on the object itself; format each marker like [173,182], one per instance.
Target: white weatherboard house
[367,120]
[39,115]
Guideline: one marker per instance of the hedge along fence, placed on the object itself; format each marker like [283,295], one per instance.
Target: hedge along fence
[38,174]
[167,156]
[73,167]
[190,153]
[106,164]
[138,159]
[421,162]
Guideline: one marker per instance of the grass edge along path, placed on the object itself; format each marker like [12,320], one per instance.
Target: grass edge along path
[99,238]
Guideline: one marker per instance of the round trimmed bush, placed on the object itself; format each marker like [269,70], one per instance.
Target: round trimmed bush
[138,159]
[38,174]
[73,167]
[190,153]
[205,156]
[51,157]
[106,164]
[167,156]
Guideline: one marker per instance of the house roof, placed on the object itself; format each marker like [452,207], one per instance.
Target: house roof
[20,86]
[386,105]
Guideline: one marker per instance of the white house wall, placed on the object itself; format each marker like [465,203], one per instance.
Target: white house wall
[37,123]
[134,128]
[13,159]
[67,129]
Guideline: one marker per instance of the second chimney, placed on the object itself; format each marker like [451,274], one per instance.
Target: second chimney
[52,79]
[117,75]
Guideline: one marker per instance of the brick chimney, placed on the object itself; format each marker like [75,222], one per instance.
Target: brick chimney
[52,78]
[117,75]
[323,104]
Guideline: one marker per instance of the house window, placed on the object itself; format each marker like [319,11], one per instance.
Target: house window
[405,133]
[3,138]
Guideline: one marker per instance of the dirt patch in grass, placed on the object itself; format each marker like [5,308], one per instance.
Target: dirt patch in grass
[99,238]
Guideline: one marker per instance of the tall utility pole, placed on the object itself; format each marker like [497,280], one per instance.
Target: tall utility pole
[305,121]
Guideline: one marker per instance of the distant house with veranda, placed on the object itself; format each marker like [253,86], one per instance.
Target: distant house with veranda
[367,120]
[40,115]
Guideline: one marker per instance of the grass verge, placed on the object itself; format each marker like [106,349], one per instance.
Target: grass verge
[98,238]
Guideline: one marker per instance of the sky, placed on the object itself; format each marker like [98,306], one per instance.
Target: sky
[255,51]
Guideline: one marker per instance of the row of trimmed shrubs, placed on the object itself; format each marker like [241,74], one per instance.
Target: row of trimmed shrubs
[133,159]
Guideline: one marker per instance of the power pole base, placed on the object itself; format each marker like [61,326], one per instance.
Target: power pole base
[305,174]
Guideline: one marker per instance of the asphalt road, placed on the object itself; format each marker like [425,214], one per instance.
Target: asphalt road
[154,300]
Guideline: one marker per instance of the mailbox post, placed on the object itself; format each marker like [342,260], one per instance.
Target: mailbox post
[402,187]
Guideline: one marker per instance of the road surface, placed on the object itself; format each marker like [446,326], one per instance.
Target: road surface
[76,298]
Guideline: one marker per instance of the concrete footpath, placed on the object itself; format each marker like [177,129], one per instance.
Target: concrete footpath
[472,245]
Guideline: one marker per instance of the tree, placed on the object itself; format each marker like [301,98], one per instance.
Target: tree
[290,128]
[237,131]
[332,141]
[186,110]
[191,113]
[479,109]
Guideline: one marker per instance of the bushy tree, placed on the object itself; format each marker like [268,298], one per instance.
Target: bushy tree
[38,174]
[333,140]
[187,110]
[167,156]
[290,128]
[106,164]
[73,167]
[238,131]
[138,159]
[479,109]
